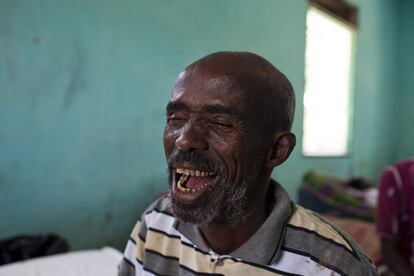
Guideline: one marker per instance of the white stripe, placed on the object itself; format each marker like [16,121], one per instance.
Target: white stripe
[397,177]
[130,254]
[164,223]
[144,273]
[160,221]
[298,264]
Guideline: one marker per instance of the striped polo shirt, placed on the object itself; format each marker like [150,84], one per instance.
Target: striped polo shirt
[292,241]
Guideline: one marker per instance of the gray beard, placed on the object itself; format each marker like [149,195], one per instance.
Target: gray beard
[229,207]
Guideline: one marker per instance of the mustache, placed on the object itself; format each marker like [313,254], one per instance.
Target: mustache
[196,160]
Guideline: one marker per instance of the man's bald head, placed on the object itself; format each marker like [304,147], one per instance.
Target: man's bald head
[269,89]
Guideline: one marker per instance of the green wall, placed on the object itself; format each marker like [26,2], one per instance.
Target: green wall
[374,86]
[83,85]
[403,134]
[82,95]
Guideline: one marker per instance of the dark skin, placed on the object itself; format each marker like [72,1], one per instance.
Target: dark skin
[216,109]
[394,259]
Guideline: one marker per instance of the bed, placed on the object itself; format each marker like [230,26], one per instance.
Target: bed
[101,262]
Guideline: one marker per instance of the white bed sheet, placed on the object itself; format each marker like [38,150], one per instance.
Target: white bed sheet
[102,262]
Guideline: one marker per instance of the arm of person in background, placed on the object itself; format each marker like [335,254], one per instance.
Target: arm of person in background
[390,210]
[394,258]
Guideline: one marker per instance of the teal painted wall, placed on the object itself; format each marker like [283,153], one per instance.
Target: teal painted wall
[375,83]
[83,85]
[403,134]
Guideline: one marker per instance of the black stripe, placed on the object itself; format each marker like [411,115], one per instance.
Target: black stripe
[341,234]
[181,265]
[207,254]
[140,262]
[271,269]
[141,237]
[161,255]
[199,273]
[178,237]
[315,259]
[324,238]
[164,233]
[134,242]
[194,247]
[160,211]
[129,262]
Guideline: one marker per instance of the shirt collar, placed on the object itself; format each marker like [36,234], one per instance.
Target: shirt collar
[264,245]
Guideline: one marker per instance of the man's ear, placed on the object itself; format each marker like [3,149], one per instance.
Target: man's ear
[280,148]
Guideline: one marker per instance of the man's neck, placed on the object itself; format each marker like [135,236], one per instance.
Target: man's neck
[224,238]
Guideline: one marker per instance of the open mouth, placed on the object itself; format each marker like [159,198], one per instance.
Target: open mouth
[192,181]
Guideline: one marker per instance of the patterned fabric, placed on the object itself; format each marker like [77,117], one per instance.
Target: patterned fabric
[292,241]
[395,220]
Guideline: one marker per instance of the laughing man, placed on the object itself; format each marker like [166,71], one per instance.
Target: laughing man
[228,126]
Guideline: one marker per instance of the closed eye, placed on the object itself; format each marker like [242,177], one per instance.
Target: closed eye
[175,121]
[221,124]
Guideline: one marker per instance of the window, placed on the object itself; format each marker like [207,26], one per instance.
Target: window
[328,84]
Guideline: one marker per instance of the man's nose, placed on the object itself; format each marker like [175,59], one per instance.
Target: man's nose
[192,137]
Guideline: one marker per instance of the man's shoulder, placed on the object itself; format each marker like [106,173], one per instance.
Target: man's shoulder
[157,212]
[398,175]
[400,167]
[162,204]
[304,221]
[157,215]
[308,234]
[403,164]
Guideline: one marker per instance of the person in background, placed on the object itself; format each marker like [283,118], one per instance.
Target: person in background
[395,218]
[228,126]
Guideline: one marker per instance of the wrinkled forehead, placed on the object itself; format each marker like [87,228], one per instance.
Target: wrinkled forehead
[206,86]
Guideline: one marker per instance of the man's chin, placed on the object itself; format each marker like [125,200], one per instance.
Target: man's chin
[210,206]
[195,213]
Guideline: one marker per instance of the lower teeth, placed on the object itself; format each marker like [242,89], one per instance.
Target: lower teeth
[183,189]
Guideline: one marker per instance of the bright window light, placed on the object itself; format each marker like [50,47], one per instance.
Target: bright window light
[327,98]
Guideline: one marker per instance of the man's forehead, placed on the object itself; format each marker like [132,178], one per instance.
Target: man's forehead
[216,84]
[231,84]
[213,95]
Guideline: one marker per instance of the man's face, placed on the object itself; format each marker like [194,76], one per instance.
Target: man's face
[213,147]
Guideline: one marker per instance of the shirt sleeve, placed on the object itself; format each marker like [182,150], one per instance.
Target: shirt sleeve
[389,204]
[131,263]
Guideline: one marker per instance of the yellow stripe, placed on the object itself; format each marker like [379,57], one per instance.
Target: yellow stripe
[197,261]
[172,247]
[307,219]
[135,231]
[139,245]
[242,269]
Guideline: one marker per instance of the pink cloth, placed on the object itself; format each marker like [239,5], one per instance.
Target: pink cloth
[395,218]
